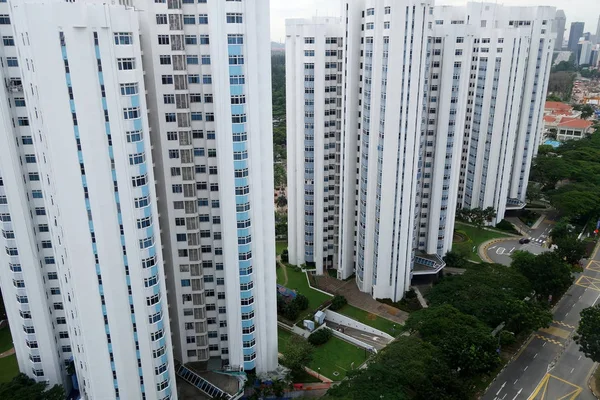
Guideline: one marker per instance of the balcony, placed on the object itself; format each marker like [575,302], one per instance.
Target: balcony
[427,264]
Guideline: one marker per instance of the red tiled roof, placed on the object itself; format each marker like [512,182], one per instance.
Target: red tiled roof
[575,124]
[549,118]
[557,106]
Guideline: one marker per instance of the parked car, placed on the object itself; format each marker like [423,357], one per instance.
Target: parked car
[524,240]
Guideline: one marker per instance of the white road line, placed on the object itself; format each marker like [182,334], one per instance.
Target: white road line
[579,358]
[501,387]
[535,355]
[515,382]
[566,314]
[544,344]
[518,393]
[504,396]
[527,366]
[572,369]
[572,305]
[596,299]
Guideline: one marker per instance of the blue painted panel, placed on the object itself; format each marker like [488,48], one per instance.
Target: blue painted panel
[249,351]
[84,181]
[145,190]
[97,51]
[246,309]
[245,263]
[137,124]
[239,146]
[107,128]
[68,78]
[244,248]
[245,278]
[240,164]
[243,216]
[139,146]
[143,168]
[236,89]
[104,105]
[235,49]
[238,109]
[249,365]
[243,232]
[110,153]
[160,324]
[156,289]
[248,337]
[152,251]
[135,100]
[247,323]
[239,182]
[236,70]
[63,50]
[147,211]
[238,128]
[154,270]
[101,78]
[94,248]
[162,342]
[241,199]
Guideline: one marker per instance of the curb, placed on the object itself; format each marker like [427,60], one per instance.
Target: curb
[589,382]
[483,247]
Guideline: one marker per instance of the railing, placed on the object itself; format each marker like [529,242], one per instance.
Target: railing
[205,386]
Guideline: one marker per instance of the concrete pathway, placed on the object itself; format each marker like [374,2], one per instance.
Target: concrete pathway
[284,269]
[7,353]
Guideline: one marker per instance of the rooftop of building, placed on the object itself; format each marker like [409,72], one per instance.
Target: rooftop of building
[575,123]
[556,106]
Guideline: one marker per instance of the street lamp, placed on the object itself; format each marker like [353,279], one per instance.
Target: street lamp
[319,373]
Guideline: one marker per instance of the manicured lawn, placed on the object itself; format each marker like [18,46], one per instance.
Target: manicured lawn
[283,337]
[372,320]
[280,247]
[280,276]
[475,237]
[5,339]
[8,368]
[337,356]
[297,281]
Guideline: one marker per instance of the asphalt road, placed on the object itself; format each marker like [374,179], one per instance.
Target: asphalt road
[550,366]
[500,252]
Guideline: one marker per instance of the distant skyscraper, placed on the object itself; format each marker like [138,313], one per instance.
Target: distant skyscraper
[575,34]
[597,38]
[559,24]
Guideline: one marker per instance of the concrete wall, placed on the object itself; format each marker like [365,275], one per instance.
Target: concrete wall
[352,323]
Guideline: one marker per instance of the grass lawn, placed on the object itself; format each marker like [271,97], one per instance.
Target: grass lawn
[280,276]
[372,320]
[8,368]
[6,342]
[336,356]
[283,337]
[475,237]
[280,247]
[297,281]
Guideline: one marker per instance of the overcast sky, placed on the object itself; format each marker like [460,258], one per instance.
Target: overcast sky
[587,11]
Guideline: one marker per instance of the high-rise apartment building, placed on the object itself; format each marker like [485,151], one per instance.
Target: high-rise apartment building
[575,34]
[209,92]
[81,265]
[560,22]
[597,37]
[314,86]
[458,129]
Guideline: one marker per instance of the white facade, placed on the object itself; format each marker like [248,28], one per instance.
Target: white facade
[209,90]
[560,22]
[89,263]
[314,55]
[455,125]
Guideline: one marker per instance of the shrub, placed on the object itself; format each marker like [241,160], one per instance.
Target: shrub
[320,337]
[338,302]
[504,225]
[301,302]
[285,256]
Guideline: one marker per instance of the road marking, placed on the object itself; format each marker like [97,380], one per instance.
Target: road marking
[501,387]
[515,382]
[528,365]
[596,299]
[571,390]
[504,396]
[588,282]
[561,333]
[579,358]
[563,324]
[535,355]
[572,369]
[544,344]
[518,393]
[593,266]
[549,340]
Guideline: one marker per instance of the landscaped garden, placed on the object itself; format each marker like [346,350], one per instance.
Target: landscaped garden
[467,238]
[280,246]
[9,368]
[371,320]
[6,342]
[296,280]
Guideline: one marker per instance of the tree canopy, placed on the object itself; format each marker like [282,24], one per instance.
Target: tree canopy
[21,387]
[548,274]
[466,343]
[588,333]
[408,368]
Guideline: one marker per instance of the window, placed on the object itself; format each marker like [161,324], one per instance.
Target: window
[30,158]
[207,79]
[203,19]
[167,79]
[40,211]
[195,98]
[170,117]
[235,39]
[163,39]
[194,78]
[12,62]
[23,121]
[4,19]
[26,140]
[370,11]
[34,176]
[161,19]
[128,89]
[169,98]
[196,116]
[126,63]
[139,180]
[123,38]
[309,40]
[131,113]
[189,19]
[388,10]
[165,60]
[192,60]
[237,79]
[36,194]
[55,290]
[370,25]
[234,18]
[236,60]
[134,136]
[8,40]
[204,39]
[205,59]
[191,39]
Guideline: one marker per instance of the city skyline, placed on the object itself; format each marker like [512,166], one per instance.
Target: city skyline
[575,10]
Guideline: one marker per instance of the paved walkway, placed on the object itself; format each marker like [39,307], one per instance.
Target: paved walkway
[359,299]
[7,353]
[284,269]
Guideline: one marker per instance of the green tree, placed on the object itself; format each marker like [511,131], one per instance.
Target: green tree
[547,273]
[455,259]
[570,249]
[534,192]
[588,333]
[297,354]
[281,201]
[21,387]
[338,302]
[279,175]
[320,337]
[466,343]
[301,302]
[586,110]
[408,368]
